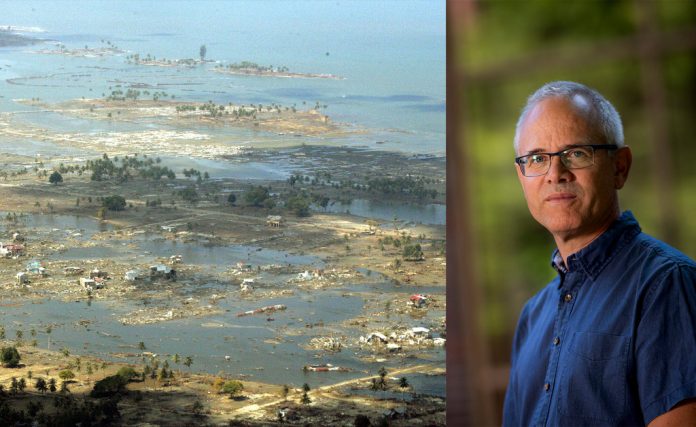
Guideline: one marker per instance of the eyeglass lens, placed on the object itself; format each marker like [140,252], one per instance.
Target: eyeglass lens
[573,158]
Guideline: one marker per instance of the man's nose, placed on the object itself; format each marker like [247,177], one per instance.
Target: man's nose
[558,172]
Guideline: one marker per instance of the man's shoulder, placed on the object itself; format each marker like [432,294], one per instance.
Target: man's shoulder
[659,253]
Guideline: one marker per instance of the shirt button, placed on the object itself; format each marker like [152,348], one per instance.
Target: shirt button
[568,297]
[547,386]
[556,341]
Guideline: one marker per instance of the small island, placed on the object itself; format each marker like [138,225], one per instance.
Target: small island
[247,68]
[107,49]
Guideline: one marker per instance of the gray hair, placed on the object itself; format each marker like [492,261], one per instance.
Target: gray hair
[605,115]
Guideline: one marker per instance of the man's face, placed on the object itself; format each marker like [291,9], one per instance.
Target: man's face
[569,203]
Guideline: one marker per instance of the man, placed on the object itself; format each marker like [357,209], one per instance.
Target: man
[612,339]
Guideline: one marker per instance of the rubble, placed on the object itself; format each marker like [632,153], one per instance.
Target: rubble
[325,343]
[267,309]
[326,367]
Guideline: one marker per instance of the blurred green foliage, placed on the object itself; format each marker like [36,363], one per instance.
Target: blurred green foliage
[513,251]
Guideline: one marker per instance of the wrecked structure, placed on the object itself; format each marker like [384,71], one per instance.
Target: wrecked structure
[11,250]
[161,271]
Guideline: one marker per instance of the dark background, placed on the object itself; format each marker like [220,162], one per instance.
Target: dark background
[640,54]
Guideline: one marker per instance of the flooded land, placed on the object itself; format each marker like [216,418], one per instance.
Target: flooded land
[178,249]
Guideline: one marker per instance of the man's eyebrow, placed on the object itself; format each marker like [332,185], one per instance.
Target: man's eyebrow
[565,147]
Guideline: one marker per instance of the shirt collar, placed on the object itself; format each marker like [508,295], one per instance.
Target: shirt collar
[598,254]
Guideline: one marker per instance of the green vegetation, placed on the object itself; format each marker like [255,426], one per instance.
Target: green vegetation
[55,178]
[202,51]
[189,194]
[305,396]
[252,67]
[114,203]
[413,252]
[109,386]
[299,205]
[66,375]
[105,169]
[257,196]
[233,388]
[10,357]
[128,373]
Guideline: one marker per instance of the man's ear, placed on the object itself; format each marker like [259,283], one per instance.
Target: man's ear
[622,165]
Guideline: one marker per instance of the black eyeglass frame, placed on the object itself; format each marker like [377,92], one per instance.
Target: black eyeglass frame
[520,160]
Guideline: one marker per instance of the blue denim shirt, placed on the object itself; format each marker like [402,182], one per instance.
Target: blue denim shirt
[611,340]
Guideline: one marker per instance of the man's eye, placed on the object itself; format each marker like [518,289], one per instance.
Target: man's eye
[536,159]
[577,154]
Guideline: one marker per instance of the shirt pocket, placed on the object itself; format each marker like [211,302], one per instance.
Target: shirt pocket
[594,377]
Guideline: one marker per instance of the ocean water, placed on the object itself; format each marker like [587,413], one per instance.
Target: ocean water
[391,55]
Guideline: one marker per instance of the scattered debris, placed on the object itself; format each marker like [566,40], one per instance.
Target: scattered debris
[11,250]
[274,220]
[162,271]
[267,309]
[326,367]
[325,343]
[73,271]
[418,300]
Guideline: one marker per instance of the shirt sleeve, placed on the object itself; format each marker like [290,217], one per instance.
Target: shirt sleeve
[665,348]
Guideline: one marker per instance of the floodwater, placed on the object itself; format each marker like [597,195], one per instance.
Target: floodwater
[430,213]
[54,226]
[214,258]
[260,349]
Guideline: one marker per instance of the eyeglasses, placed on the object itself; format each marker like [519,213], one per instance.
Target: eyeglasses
[575,157]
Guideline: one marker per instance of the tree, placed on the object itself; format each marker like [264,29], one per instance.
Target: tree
[66,375]
[52,385]
[382,374]
[233,388]
[10,357]
[49,329]
[299,205]
[55,178]
[403,382]
[202,51]
[109,386]
[257,196]
[127,373]
[114,203]
[286,390]
[41,385]
[189,194]
[188,361]
[305,397]
[231,199]
[413,252]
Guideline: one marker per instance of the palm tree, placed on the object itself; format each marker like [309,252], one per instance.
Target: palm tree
[41,385]
[305,397]
[188,362]
[202,51]
[49,329]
